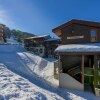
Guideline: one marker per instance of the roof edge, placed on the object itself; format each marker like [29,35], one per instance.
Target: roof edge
[77,21]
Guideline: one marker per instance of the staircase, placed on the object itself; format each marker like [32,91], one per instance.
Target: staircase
[74,71]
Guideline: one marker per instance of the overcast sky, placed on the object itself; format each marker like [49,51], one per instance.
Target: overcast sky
[41,16]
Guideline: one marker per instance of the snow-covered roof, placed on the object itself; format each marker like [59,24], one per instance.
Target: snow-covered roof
[52,39]
[90,47]
[38,36]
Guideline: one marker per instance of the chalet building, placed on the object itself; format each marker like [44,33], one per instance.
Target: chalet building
[42,45]
[2,33]
[36,44]
[79,55]
[50,45]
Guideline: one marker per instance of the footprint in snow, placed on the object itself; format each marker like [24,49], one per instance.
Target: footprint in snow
[40,96]
[1,97]
[19,79]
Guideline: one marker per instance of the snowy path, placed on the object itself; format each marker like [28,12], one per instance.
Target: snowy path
[30,66]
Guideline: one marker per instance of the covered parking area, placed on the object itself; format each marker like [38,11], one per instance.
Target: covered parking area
[77,64]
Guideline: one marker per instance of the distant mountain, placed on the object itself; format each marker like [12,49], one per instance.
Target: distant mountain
[19,35]
[16,34]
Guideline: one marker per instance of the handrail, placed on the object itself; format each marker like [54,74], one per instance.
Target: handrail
[72,70]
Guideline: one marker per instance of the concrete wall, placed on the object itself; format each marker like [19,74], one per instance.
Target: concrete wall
[66,81]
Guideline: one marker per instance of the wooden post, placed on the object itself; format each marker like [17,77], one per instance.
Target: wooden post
[59,67]
[95,61]
[89,62]
[82,68]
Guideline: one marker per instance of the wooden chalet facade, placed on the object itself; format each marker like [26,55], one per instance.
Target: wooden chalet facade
[36,44]
[42,45]
[79,54]
[50,46]
[2,33]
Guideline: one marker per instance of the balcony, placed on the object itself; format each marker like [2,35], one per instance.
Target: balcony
[1,35]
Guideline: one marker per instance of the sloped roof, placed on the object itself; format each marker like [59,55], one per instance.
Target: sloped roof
[75,21]
[41,36]
[90,47]
[52,39]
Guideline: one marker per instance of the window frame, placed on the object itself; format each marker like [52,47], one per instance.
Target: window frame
[92,35]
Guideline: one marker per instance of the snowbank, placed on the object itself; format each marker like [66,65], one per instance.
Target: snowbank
[14,87]
[38,65]
[17,59]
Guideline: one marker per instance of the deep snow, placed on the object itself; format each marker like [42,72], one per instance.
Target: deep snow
[14,87]
[36,77]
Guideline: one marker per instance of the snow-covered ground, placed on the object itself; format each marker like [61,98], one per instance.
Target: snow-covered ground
[14,87]
[51,59]
[25,76]
[17,59]
[11,41]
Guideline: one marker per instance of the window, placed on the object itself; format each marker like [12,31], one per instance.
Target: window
[93,36]
[93,33]
[1,30]
[41,50]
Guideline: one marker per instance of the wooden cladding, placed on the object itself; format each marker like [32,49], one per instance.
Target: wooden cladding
[93,35]
[58,32]
[75,37]
[93,39]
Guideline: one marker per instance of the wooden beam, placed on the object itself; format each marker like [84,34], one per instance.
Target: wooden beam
[58,32]
[83,69]
[59,64]
[79,53]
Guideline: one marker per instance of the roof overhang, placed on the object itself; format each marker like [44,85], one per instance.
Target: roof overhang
[91,48]
[37,37]
[58,29]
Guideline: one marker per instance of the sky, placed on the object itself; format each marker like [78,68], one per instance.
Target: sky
[41,16]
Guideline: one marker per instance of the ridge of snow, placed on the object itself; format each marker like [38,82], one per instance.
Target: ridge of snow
[14,87]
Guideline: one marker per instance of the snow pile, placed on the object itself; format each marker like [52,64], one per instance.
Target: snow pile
[11,41]
[30,66]
[92,47]
[51,59]
[14,87]
[38,65]
[25,63]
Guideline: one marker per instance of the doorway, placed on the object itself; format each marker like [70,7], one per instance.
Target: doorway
[89,73]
